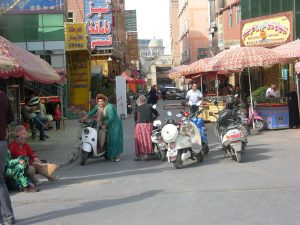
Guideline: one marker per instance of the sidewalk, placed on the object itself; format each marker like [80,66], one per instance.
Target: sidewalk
[60,148]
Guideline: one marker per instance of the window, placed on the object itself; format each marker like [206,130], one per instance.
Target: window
[70,17]
[230,17]
[238,14]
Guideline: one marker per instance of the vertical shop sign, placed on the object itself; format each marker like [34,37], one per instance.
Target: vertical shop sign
[98,18]
[75,36]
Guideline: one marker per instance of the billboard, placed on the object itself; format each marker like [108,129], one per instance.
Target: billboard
[32,6]
[98,18]
[264,31]
[75,36]
[130,20]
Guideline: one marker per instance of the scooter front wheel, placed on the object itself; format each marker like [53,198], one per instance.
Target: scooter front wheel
[84,156]
[178,164]
[259,124]
[205,148]
[238,156]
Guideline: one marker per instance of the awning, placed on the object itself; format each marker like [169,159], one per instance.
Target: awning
[26,64]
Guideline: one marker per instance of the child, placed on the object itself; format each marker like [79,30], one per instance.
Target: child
[15,173]
[19,147]
[57,116]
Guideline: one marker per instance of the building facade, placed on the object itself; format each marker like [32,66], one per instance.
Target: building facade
[174,32]
[193,29]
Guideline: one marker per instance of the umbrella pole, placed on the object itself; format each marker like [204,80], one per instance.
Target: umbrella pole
[217,83]
[202,92]
[251,100]
[240,94]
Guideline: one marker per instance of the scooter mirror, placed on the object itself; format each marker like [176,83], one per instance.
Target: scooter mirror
[154,106]
[169,113]
[211,113]
[216,103]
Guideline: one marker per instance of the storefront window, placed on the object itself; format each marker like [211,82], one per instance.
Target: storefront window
[230,17]
[34,34]
[287,5]
[54,33]
[276,7]
[265,7]
[245,9]
[238,14]
[53,20]
[297,5]
[255,9]
[297,16]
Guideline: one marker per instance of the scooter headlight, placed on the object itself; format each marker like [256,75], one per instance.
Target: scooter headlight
[86,131]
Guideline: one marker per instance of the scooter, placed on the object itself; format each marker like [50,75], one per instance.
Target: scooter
[255,119]
[230,134]
[183,144]
[199,122]
[88,142]
[159,145]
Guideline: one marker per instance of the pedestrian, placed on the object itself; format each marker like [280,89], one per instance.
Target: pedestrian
[163,92]
[293,107]
[273,92]
[193,97]
[57,116]
[30,116]
[152,95]
[113,125]
[143,118]
[6,117]
[20,147]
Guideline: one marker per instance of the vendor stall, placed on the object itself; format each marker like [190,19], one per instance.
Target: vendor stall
[275,112]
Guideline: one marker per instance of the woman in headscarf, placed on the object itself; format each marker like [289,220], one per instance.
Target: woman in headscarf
[293,107]
[109,119]
[143,117]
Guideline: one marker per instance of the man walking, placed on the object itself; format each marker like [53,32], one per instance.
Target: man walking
[193,96]
[6,117]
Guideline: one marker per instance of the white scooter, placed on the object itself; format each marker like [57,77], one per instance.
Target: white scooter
[88,141]
[183,144]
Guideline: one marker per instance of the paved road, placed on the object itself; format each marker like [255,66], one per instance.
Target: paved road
[262,190]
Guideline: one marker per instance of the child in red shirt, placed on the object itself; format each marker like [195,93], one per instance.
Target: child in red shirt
[19,147]
[57,116]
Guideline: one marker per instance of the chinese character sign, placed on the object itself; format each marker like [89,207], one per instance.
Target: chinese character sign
[75,36]
[98,18]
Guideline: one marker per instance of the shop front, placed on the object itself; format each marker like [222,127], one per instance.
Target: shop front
[78,65]
[270,31]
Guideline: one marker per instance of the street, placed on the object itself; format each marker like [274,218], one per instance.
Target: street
[264,189]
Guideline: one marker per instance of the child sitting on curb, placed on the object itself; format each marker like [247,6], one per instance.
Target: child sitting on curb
[19,147]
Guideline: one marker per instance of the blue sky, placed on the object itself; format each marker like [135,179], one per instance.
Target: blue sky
[152,19]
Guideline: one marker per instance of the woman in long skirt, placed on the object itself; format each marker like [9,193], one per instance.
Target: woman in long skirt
[113,125]
[142,136]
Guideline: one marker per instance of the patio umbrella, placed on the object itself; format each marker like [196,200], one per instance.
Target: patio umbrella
[7,63]
[175,72]
[200,66]
[246,57]
[25,64]
[289,51]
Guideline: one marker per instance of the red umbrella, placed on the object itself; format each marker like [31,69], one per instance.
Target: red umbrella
[289,51]
[25,64]
[246,57]
[175,72]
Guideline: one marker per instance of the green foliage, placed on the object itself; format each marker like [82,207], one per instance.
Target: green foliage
[259,95]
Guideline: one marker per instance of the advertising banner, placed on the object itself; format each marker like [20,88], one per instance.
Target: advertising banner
[32,6]
[75,36]
[267,31]
[98,18]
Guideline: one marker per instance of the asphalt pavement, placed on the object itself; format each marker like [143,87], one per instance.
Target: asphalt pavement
[264,189]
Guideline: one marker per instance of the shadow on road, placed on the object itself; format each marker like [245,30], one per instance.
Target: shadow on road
[87,207]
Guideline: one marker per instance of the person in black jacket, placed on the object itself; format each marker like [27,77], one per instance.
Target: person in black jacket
[293,107]
[143,116]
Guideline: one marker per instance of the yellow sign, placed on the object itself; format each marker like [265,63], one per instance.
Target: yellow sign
[267,32]
[75,36]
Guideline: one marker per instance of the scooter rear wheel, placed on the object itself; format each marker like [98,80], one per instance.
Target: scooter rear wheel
[84,156]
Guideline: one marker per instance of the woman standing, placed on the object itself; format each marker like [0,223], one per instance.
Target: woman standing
[142,136]
[112,123]
[293,107]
